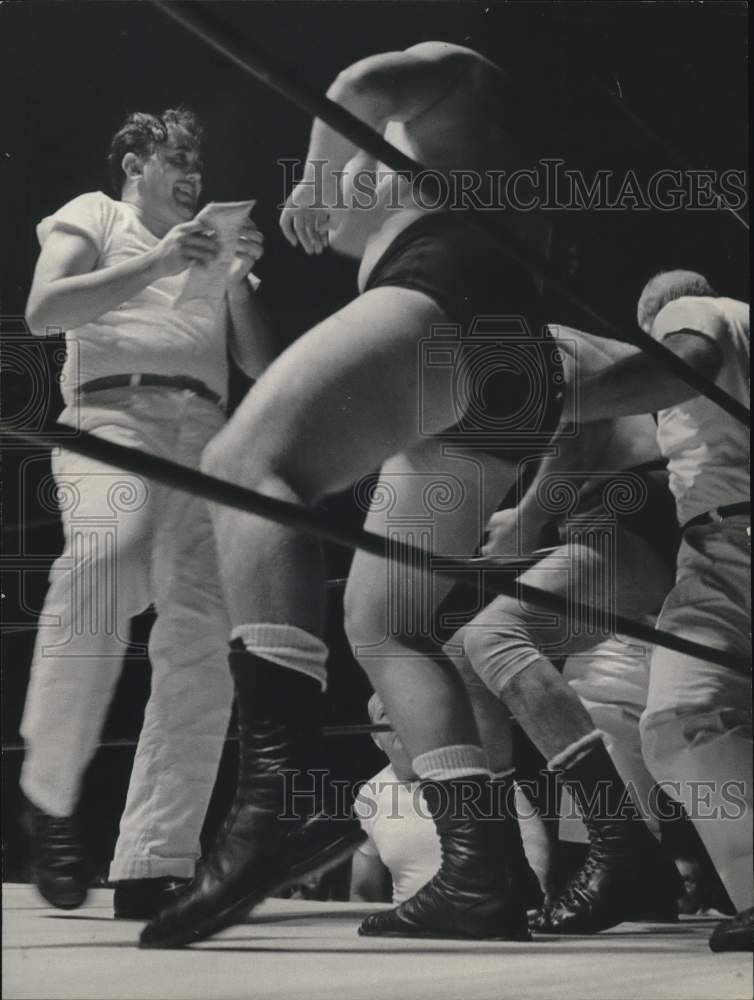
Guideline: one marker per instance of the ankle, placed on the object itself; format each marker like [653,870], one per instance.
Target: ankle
[457,760]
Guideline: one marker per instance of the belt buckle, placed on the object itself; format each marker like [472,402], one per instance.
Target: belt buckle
[716,516]
[134,380]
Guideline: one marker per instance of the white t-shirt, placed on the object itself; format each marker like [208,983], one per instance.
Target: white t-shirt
[400,831]
[145,334]
[707,449]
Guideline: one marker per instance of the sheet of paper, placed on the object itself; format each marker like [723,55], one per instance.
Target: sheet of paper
[205,286]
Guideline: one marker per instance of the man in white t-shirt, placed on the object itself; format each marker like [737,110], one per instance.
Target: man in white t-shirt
[402,842]
[145,372]
[697,727]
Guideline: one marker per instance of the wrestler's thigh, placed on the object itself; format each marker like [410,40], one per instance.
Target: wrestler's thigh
[438,499]
[340,399]
[615,572]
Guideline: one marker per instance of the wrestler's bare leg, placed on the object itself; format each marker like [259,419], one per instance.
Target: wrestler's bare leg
[438,498]
[624,877]
[329,410]
[335,406]
[508,643]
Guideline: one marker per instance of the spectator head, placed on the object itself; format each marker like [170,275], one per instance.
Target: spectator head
[666,287]
[389,742]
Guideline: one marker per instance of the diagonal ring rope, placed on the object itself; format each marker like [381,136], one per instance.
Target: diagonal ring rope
[324,525]
[252,59]
[130,742]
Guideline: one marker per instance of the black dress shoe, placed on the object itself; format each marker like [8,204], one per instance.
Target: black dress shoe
[143,898]
[60,869]
[625,876]
[263,845]
[476,894]
[736,934]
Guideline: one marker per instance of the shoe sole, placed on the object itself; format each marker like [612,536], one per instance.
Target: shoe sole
[321,862]
[447,937]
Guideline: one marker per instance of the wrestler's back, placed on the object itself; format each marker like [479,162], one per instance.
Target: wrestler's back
[462,129]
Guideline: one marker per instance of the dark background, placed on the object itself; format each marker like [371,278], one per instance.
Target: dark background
[71,71]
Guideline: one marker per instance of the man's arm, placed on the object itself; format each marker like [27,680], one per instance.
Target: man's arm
[638,383]
[370,879]
[66,292]
[391,86]
[250,333]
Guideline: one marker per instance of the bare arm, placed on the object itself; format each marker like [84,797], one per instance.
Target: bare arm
[370,879]
[391,86]
[67,292]
[250,334]
[692,329]
[639,384]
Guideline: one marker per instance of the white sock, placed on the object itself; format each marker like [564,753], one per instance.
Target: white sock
[286,645]
[461,760]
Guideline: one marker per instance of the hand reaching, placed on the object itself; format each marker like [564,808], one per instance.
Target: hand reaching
[512,532]
[305,220]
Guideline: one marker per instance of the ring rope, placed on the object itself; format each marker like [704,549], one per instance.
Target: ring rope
[252,59]
[461,571]
[128,742]
[641,125]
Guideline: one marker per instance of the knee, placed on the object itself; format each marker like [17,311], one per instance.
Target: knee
[248,463]
[225,458]
[492,643]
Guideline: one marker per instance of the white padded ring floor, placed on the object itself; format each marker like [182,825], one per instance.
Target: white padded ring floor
[311,950]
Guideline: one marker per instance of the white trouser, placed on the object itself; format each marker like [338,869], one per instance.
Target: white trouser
[612,679]
[697,727]
[130,543]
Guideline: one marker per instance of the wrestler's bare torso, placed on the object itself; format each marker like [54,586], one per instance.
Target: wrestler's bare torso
[461,129]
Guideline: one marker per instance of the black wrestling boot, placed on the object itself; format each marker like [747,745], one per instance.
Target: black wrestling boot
[60,868]
[626,875]
[474,894]
[524,879]
[736,934]
[263,846]
[143,898]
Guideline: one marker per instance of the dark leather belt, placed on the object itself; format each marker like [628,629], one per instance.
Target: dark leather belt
[719,514]
[167,381]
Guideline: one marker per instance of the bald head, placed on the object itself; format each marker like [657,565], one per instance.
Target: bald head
[376,709]
[666,287]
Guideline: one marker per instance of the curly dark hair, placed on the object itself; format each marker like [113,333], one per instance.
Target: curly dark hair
[141,132]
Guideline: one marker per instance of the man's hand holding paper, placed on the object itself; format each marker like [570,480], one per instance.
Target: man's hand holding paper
[240,246]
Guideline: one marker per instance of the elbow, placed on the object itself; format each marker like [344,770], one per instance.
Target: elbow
[36,320]
[43,314]
[357,91]
[348,84]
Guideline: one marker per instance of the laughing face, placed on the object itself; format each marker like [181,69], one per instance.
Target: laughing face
[171,179]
